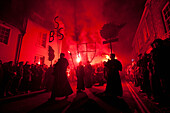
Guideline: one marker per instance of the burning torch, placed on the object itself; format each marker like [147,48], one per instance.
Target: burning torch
[72,59]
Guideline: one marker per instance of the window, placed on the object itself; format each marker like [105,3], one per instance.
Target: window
[166,16]
[42,40]
[4,34]
[39,60]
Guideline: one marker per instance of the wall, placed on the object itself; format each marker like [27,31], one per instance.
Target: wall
[151,26]
[30,48]
[8,51]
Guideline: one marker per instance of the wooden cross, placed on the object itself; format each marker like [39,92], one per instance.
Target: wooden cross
[110,41]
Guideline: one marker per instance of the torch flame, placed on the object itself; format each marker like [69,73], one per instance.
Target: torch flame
[78,58]
[107,57]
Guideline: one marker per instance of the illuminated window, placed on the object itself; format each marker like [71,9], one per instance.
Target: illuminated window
[4,34]
[166,16]
[39,60]
[42,40]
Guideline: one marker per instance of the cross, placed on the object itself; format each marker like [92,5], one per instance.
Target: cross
[110,41]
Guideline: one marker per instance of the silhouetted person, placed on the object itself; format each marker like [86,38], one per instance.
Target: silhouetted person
[166,62]
[8,77]
[80,77]
[34,76]
[139,69]
[1,80]
[105,70]
[40,76]
[26,80]
[157,65]
[49,78]
[17,78]
[88,75]
[61,86]
[145,72]
[114,86]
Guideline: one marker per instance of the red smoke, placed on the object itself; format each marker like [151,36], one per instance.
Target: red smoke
[83,20]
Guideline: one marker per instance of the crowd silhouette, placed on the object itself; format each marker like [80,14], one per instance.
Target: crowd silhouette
[23,78]
[151,71]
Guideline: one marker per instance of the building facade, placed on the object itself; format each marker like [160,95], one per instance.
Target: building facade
[9,36]
[31,45]
[154,23]
[35,44]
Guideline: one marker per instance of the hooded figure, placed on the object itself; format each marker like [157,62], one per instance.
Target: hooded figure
[61,86]
[114,86]
[80,77]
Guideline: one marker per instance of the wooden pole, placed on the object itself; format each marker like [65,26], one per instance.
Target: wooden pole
[110,45]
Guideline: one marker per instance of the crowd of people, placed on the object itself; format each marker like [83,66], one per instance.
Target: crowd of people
[62,88]
[151,71]
[93,74]
[23,78]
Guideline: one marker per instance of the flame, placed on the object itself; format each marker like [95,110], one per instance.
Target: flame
[107,57]
[39,62]
[69,52]
[78,58]
[68,72]
[104,60]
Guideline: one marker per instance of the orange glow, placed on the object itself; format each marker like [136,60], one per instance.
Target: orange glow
[39,62]
[107,57]
[69,52]
[78,58]
[68,72]
[104,60]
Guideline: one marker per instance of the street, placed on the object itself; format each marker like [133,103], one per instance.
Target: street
[111,47]
[91,100]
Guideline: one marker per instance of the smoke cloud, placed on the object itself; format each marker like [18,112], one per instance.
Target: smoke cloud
[83,20]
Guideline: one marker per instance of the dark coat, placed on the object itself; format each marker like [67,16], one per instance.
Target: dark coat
[88,76]
[114,86]
[80,77]
[61,86]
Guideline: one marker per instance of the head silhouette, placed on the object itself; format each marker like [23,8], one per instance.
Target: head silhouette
[112,56]
[62,55]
